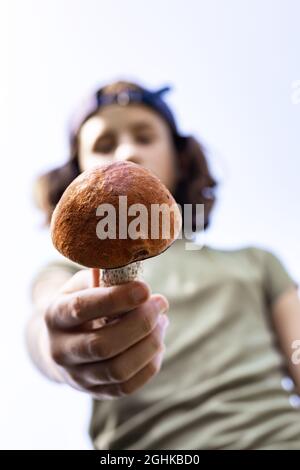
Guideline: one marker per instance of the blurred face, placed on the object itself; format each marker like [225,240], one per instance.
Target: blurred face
[133,133]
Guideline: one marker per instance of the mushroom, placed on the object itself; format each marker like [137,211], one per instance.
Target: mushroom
[117,243]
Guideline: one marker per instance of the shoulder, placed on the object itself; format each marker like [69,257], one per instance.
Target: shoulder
[253,253]
[59,264]
[256,262]
[252,259]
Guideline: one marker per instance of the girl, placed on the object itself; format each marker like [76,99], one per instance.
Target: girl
[217,378]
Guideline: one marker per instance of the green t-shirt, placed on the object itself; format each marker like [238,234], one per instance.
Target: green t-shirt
[221,384]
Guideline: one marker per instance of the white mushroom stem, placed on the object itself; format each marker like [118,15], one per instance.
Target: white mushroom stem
[113,277]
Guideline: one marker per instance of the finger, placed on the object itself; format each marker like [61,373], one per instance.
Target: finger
[72,310]
[132,385]
[111,339]
[124,366]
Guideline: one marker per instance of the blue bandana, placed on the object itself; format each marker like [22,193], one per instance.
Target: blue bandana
[153,99]
[96,100]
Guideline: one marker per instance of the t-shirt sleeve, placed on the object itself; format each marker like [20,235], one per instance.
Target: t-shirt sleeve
[276,278]
[56,265]
[55,268]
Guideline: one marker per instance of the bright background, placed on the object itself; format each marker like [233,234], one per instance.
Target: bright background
[234,66]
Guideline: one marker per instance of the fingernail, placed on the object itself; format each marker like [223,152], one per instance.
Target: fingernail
[161,305]
[138,294]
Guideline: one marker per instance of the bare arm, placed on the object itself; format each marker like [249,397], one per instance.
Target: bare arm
[286,315]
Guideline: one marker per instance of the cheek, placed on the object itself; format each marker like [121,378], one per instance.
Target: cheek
[161,160]
[90,160]
[83,160]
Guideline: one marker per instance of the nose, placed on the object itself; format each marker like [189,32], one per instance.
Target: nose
[127,151]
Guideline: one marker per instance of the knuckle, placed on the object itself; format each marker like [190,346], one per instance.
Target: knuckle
[110,299]
[124,388]
[77,378]
[146,324]
[153,367]
[98,348]
[75,306]
[57,355]
[116,372]
[75,349]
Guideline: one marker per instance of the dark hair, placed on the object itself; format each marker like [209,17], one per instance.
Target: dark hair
[195,183]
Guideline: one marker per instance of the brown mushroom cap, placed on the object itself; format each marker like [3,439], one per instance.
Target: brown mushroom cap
[74,221]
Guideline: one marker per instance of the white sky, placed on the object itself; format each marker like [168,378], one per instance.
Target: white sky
[232,63]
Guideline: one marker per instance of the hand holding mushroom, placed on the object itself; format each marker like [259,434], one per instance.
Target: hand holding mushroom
[120,357]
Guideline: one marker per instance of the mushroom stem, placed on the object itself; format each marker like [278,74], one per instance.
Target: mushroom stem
[96,277]
[113,277]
